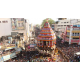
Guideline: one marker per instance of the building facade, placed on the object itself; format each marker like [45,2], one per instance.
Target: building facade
[75,34]
[5,27]
[62,24]
[9,26]
[20,25]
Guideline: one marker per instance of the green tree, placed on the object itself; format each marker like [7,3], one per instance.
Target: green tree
[51,21]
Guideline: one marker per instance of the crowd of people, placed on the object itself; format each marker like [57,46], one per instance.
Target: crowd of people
[24,56]
[68,50]
[34,56]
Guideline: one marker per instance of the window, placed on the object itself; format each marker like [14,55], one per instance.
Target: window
[78,34]
[73,34]
[64,25]
[0,21]
[61,22]
[4,21]
[68,33]
[19,24]
[67,22]
[64,22]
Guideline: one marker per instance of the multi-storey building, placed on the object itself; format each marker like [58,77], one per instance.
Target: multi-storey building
[21,26]
[75,34]
[5,27]
[61,25]
[10,26]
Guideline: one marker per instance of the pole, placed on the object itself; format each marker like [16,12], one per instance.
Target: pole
[79,38]
[70,34]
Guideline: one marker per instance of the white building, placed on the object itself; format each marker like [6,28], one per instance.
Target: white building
[5,27]
[9,25]
[62,24]
[23,27]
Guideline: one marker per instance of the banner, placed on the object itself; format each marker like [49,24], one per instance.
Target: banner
[6,57]
[12,55]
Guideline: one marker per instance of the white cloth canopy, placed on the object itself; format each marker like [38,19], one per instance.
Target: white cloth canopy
[78,53]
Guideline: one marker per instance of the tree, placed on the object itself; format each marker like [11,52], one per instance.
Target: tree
[51,21]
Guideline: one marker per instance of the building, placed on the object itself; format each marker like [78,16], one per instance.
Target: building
[5,27]
[75,34]
[14,27]
[20,26]
[61,25]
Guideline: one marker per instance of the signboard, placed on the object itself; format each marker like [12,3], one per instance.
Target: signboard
[13,55]
[74,21]
[6,57]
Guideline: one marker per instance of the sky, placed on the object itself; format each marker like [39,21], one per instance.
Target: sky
[38,20]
